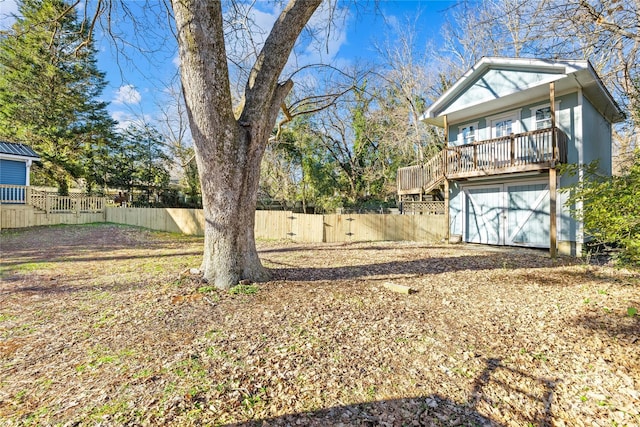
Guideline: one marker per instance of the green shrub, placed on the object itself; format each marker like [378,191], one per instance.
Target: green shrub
[610,207]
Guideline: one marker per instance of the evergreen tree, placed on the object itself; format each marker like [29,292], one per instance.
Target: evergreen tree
[49,89]
[140,163]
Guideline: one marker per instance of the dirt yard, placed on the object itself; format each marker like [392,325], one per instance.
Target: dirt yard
[103,325]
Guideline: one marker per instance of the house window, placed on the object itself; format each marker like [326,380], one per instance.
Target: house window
[503,127]
[504,124]
[468,134]
[543,118]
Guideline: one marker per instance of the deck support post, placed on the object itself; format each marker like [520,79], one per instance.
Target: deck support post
[553,182]
[446,181]
[553,230]
[446,130]
[554,134]
[447,234]
[446,145]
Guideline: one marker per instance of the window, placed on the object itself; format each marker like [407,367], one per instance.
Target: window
[468,134]
[543,118]
[503,127]
[504,124]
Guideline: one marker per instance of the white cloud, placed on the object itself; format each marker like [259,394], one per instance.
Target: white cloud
[127,94]
[263,23]
[324,48]
[125,119]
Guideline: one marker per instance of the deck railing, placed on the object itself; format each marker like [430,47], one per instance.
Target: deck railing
[514,153]
[13,193]
[421,177]
[50,202]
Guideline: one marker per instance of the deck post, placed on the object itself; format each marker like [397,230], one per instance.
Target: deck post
[512,153]
[554,135]
[444,174]
[475,155]
[553,229]
[446,143]
[446,209]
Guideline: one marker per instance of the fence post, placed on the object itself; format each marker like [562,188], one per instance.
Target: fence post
[27,196]
[47,203]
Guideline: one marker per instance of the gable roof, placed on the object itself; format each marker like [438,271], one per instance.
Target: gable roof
[495,83]
[19,150]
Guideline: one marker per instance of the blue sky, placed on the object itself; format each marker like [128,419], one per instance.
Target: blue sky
[138,80]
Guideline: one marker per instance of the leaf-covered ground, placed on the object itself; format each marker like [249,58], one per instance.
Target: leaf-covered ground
[103,325]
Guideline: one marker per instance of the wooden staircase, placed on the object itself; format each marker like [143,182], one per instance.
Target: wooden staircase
[422,179]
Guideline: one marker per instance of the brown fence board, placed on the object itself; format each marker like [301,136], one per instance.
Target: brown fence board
[269,225]
[22,216]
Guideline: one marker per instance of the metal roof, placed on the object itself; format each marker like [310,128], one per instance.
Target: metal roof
[18,150]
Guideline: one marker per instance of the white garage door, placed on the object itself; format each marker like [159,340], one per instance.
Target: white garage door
[484,210]
[507,214]
[528,215]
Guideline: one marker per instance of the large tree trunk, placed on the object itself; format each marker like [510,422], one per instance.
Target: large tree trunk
[229,150]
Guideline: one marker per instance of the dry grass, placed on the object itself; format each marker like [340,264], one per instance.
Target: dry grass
[98,326]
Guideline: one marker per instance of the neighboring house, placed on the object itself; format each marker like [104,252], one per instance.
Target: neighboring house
[15,166]
[509,122]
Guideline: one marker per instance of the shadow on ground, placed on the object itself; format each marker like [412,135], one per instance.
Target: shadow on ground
[435,265]
[490,386]
[433,410]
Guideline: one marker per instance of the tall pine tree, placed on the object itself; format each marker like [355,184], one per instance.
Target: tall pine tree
[49,89]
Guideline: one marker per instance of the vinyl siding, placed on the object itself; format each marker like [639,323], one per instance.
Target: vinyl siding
[497,83]
[12,172]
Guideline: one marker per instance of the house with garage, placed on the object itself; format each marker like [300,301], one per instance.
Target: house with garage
[15,168]
[508,124]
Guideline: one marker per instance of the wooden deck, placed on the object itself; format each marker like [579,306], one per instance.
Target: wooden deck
[523,152]
[49,202]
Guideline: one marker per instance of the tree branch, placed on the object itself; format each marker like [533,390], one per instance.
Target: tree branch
[263,78]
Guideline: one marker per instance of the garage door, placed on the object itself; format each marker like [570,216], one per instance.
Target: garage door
[507,214]
[528,215]
[483,215]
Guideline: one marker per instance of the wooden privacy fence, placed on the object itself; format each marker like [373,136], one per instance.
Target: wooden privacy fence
[298,227]
[271,225]
[21,216]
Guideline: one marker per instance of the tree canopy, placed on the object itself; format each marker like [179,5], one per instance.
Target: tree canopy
[49,93]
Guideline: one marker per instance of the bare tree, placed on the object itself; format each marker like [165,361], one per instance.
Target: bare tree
[229,148]
[173,123]
[407,83]
[607,33]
